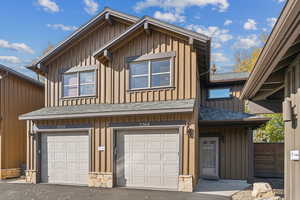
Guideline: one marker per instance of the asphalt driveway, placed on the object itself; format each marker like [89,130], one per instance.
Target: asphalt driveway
[17,191]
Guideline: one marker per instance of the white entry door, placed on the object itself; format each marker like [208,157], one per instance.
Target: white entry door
[65,158]
[209,157]
[148,159]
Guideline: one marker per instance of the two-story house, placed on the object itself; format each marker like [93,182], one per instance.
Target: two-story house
[122,108]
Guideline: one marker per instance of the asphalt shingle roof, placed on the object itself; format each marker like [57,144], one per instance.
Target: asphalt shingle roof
[111,109]
[215,114]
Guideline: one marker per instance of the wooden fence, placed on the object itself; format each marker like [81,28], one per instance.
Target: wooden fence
[269,160]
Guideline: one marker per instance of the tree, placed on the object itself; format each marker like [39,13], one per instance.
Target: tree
[245,60]
[273,130]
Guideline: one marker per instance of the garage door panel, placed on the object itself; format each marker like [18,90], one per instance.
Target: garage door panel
[65,158]
[148,159]
[154,156]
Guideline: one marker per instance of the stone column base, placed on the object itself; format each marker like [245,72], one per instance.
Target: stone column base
[100,179]
[185,183]
[10,173]
[31,176]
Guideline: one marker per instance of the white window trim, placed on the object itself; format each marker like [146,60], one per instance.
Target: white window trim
[78,84]
[149,75]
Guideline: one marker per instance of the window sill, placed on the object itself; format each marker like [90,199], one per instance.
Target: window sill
[79,97]
[151,89]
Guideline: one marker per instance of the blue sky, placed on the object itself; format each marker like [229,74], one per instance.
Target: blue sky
[234,25]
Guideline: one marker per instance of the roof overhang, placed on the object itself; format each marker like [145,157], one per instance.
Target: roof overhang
[254,122]
[266,80]
[20,75]
[107,14]
[109,110]
[146,24]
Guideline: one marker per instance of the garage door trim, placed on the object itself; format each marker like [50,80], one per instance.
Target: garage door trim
[115,130]
[59,130]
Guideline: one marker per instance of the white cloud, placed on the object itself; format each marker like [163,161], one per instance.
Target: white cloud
[16,46]
[280,1]
[247,42]
[10,59]
[219,36]
[62,27]
[250,24]
[219,57]
[227,22]
[91,7]
[271,21]
[169,17]
[179,5]
[48,5]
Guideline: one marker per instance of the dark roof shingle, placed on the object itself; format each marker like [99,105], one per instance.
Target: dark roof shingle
[95,110]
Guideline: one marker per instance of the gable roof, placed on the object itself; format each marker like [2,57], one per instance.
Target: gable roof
[154,22]
[80,30]
[281,48]
[20,75]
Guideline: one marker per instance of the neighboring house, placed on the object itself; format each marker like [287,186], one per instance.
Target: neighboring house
[123,105]
[19,94]
[276,79]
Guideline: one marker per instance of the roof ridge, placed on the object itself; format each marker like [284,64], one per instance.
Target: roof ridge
[83,27]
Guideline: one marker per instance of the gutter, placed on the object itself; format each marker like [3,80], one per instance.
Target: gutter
[106,114]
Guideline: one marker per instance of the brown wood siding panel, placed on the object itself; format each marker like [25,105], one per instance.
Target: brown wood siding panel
[17,97]
[269,160]
[233,104]
[292,137]
[233,157]
[112,79]
[80,54]
[101,135]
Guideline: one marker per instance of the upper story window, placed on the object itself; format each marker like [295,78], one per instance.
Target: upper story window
[79,84]
[150,74]
[219,93]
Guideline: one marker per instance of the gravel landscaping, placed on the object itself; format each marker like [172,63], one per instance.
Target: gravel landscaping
[277,185]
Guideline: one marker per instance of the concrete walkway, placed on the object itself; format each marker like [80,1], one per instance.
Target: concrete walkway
[221,187]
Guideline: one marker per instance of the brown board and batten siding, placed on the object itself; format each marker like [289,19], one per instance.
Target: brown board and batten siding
[233,104]
[17,96]
[101,161]
[112,85]
[292,136]
[233,151]
[184,69]
[80,54]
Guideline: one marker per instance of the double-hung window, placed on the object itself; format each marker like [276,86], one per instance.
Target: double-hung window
[150,74]
[79,84]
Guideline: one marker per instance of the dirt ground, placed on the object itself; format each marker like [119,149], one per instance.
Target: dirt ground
[277,185]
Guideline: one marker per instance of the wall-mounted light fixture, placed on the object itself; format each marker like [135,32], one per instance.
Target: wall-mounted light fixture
[189,130]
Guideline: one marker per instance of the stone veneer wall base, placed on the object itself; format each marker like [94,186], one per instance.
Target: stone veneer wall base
[100,179]
[10,173]
[185,183]
[31,176]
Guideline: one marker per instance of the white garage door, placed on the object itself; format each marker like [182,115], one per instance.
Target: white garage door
[148,158]
[65,158]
